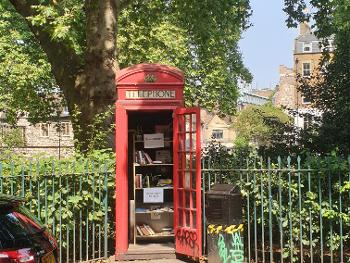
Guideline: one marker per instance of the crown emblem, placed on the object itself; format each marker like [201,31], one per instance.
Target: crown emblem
[150,78]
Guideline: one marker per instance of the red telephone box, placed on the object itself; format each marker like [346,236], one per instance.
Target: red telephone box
[158,177]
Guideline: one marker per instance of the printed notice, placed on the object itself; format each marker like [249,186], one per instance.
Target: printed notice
[153,195]
[154,140]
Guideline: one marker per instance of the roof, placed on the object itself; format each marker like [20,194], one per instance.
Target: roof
[307,38]
[10,199]
[150,67]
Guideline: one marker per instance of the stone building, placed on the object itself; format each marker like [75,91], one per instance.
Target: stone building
[306,58]
[222,129]
[53,138]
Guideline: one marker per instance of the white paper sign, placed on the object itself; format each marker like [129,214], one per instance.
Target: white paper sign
[154,140]
[153,195]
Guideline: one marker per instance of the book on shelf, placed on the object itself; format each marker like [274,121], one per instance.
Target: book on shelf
[148,184]
[145,230]
[139,232]
[138,181]
[143,158]
[147,157]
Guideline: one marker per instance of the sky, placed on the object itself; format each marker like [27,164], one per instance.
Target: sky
[268,43]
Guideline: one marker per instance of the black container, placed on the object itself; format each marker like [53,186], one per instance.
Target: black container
[224,205]
[224,209]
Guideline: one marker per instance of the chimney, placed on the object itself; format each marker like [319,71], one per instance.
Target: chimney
[304,28]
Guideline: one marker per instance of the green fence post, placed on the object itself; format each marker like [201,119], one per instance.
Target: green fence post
[280,206]
[262,211]
[248,209]
[310,217]
[255,216]
[106,212]
[321,220]
[330,207]
[270,207]
[300,219]
[340,219]
[290,209]
[93,208]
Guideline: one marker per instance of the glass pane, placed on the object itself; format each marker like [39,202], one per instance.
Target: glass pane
[187,203]
[194,122]
[194,140]
[187,180]
[187,215]
[180,211]
[180,179]
[181,123]
[188,160]
[180,156]
[188,142]
[194,180]
[181,142]
[188,122]
[194,219]
[180,198]
[194,204]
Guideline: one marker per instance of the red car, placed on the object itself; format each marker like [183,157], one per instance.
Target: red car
[23,239]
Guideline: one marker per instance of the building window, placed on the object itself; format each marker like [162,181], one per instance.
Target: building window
[306,69]
[44,129]
[306,100]
[65,129]
[308,120]
[217,134]
[307,47]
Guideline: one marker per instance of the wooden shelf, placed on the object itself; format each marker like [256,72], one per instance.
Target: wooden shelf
[159,236]
[154,211]
[165,187]
[153,164]
[137,141]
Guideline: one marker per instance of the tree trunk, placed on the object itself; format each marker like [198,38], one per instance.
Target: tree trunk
[88,84]
[96,83]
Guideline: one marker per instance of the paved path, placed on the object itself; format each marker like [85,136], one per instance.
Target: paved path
[154,261]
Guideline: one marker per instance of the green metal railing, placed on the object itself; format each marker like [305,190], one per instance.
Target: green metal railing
[292,212]
[74,199]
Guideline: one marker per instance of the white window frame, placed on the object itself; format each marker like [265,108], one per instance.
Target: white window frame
[65,124]
[302,68]
[305,102]
[308,120]
[307,45]
[221,131]
[41,129]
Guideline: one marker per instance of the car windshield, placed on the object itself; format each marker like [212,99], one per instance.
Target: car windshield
[17,228]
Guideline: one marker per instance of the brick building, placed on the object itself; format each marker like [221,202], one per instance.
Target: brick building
[306,58]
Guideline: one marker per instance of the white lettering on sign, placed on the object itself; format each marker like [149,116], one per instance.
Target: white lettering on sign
[150,94]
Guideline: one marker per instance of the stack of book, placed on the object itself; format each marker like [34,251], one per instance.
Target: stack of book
[144,158]
[145,230]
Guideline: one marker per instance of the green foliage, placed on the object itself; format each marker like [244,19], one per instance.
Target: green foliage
[69,194]
[26,82]
[13,138]
[259,124]
[328,91]
[199,37]
[298,197]
[97,135]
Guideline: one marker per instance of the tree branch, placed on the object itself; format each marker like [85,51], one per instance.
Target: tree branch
[64,62]
[124,4]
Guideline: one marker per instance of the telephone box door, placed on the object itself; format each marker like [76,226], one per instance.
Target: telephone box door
[187,182]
